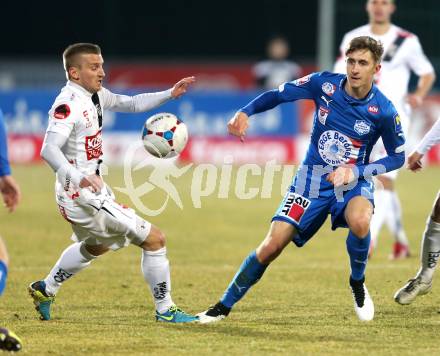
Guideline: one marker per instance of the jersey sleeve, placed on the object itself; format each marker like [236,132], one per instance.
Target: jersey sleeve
[302,88]
[62,118]
[394,142]
[417,60]
[392,133]
[137,103]
[431,138]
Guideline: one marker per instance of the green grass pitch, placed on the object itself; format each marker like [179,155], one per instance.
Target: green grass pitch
[302,305]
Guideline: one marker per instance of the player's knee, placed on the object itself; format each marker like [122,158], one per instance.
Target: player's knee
[360,225]
[95,250]
[155,240]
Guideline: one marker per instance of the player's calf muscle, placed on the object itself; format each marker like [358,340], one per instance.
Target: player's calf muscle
[278,237]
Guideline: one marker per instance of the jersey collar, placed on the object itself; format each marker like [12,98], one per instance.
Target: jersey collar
[353,101]
[78,88]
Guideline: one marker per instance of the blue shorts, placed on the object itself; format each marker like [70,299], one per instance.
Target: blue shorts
[308,213]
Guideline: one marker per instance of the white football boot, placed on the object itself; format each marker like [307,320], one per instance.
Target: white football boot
[363,304]
[213,314]
[411,290]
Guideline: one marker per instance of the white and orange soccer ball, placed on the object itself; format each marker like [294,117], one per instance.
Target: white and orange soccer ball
[164,135]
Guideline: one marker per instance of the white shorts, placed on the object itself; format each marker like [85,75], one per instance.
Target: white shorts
[104,223]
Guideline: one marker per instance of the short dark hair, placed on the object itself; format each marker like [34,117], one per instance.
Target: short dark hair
[366,43]
[71,53]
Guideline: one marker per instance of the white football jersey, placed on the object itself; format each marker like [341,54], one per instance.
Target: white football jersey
[397,63]
[75,116]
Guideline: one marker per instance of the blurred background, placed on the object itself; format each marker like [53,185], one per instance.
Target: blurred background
[148,46]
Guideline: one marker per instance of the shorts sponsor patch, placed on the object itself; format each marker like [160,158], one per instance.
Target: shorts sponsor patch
[61,112]
[295,206]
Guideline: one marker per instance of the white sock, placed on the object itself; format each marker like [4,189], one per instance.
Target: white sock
[430,250]
[73,259]
[382,199]
[394,219]
[156,271]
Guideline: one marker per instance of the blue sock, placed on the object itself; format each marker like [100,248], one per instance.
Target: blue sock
[3,276]
[358,251]
[249,273]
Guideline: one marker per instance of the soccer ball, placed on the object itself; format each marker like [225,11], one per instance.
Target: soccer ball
[164,135]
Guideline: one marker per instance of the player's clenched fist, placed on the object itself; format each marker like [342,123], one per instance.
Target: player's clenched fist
[93,181]
[238,125]
[340,176]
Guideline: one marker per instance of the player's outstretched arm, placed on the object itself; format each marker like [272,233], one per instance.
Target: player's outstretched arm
[238,125]
[10,192]
[145,101]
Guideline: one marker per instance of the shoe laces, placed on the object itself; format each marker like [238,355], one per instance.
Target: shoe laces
[175,309]
[412,284]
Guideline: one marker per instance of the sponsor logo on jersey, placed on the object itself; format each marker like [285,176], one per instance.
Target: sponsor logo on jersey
[302,80]
[362,127]
[397,123]
[373,109]
[327,101]
[335,148]
[295,206]
[322,114]
[328,88]
[94,146]
[61,112]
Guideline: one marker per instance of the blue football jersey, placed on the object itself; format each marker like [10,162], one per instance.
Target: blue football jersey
[345,129]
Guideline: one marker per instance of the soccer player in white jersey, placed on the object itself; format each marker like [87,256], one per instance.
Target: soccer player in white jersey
[73,149]
[402,54]
[430,251]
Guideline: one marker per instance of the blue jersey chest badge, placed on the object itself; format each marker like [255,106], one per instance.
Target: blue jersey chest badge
[362,127]
[328,88]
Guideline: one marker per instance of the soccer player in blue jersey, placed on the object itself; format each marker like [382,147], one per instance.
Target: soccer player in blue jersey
[335,177]
[10,192]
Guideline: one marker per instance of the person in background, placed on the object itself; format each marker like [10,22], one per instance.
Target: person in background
[277,68]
